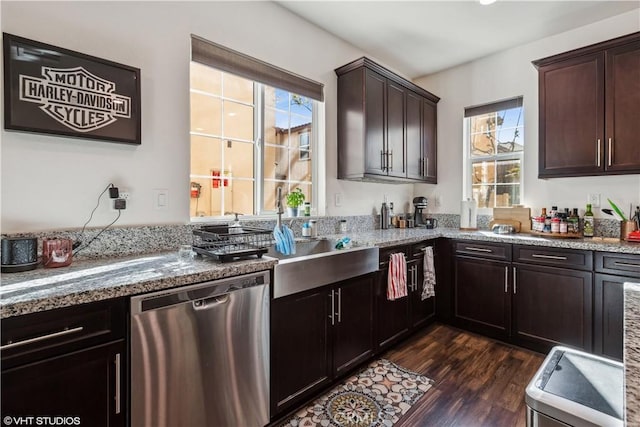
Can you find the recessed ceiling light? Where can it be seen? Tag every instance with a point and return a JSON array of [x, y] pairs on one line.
[[486, 2]]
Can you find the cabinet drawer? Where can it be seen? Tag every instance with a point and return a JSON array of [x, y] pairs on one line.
[[49, 333], [577, 260], [620, 264], [385, 253], [501, 251], [417, 248]]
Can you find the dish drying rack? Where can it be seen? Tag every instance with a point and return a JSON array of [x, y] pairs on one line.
[[227, 243]]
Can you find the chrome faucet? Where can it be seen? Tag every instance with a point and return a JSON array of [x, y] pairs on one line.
[[279, 210]]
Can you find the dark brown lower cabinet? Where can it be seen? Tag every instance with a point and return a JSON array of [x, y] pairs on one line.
[[552, 306], [392, 317], [300, 348], [421, 312], [482, 298], [79, 388], [608, 334], [318, 336], [66, 366]]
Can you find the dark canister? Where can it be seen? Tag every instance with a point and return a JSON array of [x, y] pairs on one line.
[[19, 254]]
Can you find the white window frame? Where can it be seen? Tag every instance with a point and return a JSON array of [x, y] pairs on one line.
[[316, 136], [468, 161]]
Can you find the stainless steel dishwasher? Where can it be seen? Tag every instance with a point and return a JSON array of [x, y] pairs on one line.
[[200, 354]]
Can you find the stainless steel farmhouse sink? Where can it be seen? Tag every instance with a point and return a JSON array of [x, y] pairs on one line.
[[317, 263]]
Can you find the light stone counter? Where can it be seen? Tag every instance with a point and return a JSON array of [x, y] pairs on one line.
[[95, 280], [632, 352]]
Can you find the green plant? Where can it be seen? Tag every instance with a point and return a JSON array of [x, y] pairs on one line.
[[295, 198]]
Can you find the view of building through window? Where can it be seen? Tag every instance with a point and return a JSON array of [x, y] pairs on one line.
[[247, 139], [495, 141]]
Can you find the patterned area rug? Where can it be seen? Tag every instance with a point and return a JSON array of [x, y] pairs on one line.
[[377, 396]]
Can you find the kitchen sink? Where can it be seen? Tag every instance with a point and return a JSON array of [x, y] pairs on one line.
[[317, 263]]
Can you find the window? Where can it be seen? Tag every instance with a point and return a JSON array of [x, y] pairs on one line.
[[247, 137], [494, 143]]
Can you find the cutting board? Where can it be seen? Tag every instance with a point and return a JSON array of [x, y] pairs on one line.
[[523, 215]]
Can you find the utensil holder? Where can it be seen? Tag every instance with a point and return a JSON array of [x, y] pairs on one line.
[[626, 227]]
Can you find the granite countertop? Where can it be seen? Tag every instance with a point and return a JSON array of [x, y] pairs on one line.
[[94, 280], [632, 352]]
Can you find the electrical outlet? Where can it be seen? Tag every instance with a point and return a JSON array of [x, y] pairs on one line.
[[124, 195], [436, 200], [594, 200], [338, 199]]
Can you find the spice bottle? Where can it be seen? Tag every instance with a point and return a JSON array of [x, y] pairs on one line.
[[307, 209], [589, 228], [574, 222]]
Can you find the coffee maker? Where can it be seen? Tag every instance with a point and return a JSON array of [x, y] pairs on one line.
[[420, 205]]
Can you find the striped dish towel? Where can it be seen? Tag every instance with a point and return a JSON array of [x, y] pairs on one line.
[[397, 278], [429, 283]]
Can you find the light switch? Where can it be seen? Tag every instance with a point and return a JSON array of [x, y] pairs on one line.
[[161, 199]]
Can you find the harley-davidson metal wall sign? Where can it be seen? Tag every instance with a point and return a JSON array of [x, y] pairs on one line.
[[53, 90]]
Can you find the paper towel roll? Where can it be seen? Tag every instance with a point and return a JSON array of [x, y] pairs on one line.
[[468, 215]]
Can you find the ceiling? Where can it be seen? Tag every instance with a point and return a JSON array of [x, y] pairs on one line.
[[422, 37]]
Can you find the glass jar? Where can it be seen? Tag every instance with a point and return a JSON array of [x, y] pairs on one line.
[[343, 226], [306, 210]]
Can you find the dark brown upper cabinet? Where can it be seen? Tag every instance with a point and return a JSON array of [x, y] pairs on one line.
[[589, 104], [386, 126]]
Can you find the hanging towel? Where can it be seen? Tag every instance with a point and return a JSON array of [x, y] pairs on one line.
[[397, 278], [289, 239], [278, 236], [429, 283]]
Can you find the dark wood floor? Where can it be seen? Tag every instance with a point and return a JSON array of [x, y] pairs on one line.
[[478, 381]]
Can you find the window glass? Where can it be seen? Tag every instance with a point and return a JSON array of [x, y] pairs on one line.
[[233, 163], [495, 148]]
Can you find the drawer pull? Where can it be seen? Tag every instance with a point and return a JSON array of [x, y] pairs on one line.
[[506, 279], [41, 338], [478, 249], [561, 258], [118, 385], [626, 264]]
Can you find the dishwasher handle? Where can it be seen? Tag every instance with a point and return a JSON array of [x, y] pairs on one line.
[[206, 303], [205, 294]]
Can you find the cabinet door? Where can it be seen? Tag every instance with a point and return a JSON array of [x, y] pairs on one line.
[[299, 347], [353, 323], [414, 136], [429, 142], [572, 117], [552, 306], [622, 108], [608, 315], [375, 131], [395, 130], [88, 385], [482, 299], [421, 310], [392, 319]]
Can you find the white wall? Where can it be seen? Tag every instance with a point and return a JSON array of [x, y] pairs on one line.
[[508, 74], [53, 182]]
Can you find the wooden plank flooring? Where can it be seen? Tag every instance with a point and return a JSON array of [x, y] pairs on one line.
[[478, 381]]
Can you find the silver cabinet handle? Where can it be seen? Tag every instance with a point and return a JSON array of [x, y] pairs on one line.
[[626, 264], [41, 338], [333, 309], [598, 153], [478, 249], [390, 162], [118, 385], [514, 281], [610, 151], [414, 278], [382, 160], [506, 278], [562, 258], [339, 305], [424, 167], [426, 171]]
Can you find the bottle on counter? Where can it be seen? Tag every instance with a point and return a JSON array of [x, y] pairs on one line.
[[588, 228], [555, 224], [574, 222], [393, 220], [306, 211], [384, 216]]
